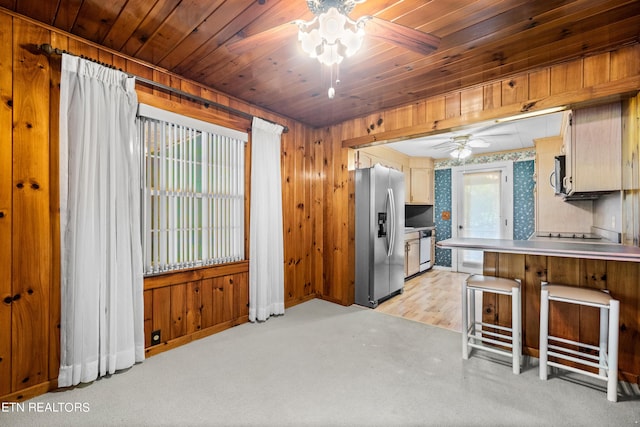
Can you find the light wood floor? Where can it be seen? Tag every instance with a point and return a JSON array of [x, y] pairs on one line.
[[433, 297]]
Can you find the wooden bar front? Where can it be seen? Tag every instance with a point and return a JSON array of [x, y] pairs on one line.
[[621, 278]]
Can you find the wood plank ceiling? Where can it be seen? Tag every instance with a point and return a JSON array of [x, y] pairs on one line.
[[480, 40]]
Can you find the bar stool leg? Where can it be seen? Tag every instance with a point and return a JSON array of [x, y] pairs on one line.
[[544, 332], [612, 353], [604, 330], [472, 311], [515, 328], [465, 322]]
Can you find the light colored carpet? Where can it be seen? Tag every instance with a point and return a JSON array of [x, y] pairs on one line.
[[322, 364]]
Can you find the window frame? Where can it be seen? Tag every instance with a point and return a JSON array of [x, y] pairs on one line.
[[202, 130]]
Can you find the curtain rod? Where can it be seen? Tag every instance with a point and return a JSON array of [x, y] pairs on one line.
[[50, 50]]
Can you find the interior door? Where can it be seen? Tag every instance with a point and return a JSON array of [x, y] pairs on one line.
[[484, 203]]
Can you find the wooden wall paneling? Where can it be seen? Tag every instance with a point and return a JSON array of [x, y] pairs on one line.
[[206, 303], [318, 194], [215, 97], [309, 218], [564, 317], [400, 117], [623, 285], [55, 62], [162, 312], [291, 230], [419, 113], [513, 266], [190, 275], [140, 70], [193, 89], [31, 231], [344, 191], [193, 315], [436, 109], [535, 272], [490, 264], [217, 301], [452, 105], [596, 69], [165, 79], [148, 317], [330, 167], [228, 289], [593, 274], [566, 77], [178, 310], [80, 48], [472, 100], [6, 187], [302, 205], [539, 84], [625, 62], [515, 90], [350, 280], [492, 96], [241, 297]]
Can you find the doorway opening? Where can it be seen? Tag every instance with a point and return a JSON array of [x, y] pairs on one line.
[[482, 207]]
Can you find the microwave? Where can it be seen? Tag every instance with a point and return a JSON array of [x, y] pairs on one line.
[[557, 176]]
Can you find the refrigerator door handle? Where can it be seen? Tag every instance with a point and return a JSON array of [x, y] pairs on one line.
[[392, 226]]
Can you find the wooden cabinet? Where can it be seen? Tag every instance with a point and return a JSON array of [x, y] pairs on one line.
[[370, 156], [552, 214], [421, 181], [593, 149], [631, 171], [412, 254]]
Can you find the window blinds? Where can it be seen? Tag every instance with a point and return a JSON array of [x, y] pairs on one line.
[[193, 193]]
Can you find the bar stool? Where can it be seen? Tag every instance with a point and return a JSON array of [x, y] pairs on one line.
[[488, 340], [607, 359]]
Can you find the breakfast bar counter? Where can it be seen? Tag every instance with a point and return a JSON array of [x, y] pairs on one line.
[[603, 251], [613, 267]]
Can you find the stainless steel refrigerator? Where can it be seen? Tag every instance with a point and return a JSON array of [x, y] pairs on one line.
[[379, 245]]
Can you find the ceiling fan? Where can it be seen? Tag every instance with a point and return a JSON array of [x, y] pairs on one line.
[[332, 35], [461, 146]]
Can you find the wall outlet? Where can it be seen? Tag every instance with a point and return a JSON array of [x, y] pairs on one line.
[[613, 222], [155, 337]]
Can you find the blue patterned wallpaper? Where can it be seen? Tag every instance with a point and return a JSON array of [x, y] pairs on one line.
[[523, 200], [442, 204], [523, 204]]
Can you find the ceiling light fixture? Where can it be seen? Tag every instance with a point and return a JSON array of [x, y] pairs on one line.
[[331, 35], [532, 114], [460, 152]]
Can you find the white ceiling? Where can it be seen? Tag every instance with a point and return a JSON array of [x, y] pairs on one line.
[[504, 136]]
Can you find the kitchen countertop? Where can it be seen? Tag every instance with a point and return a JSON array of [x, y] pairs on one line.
[[610, 252]]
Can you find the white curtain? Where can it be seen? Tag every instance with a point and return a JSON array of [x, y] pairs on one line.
[[102, 328], [266, 247]]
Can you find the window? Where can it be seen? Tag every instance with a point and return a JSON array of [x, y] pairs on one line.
[[193, 204]]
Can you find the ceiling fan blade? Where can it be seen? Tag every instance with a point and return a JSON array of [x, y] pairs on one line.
[[447, 145], [271, 36], [402, 36], [478, 143]]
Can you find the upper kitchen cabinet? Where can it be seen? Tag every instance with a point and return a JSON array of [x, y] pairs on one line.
[[385, 156], [421, 181], [592, 146], [552, 213]]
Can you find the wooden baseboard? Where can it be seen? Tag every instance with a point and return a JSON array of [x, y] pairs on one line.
[[31, 392], [331, 299], [292, 303], [185, 339]]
